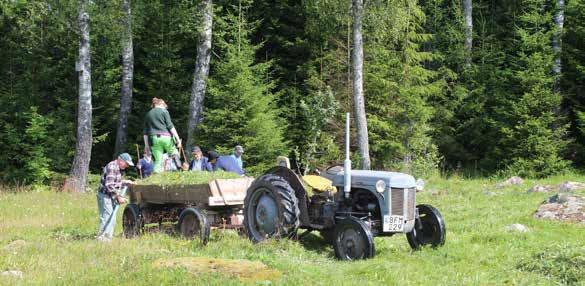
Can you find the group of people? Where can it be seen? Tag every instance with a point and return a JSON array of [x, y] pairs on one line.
[[161, 153], [162, 144]]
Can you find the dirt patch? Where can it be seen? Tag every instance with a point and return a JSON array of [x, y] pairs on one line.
[[246, 271]]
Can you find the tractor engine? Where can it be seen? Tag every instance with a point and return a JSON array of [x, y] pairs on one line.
[[322, 209]]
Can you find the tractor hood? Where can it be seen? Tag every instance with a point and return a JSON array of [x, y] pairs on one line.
[[369, 178]]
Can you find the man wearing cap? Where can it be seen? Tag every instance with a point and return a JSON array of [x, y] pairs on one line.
[[238, 152], [160, 135], [109, 195], [225, 163], [200, 162]]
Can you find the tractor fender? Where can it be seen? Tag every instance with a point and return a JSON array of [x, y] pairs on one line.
[[297, 185]]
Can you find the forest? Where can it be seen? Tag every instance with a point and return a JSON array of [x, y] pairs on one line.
[[478, 87]]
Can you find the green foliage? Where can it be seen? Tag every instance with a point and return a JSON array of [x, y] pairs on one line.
[[185, 178], [280, 80], [239, 107]]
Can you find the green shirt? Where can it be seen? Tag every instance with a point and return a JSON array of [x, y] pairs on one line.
[[157, 121]]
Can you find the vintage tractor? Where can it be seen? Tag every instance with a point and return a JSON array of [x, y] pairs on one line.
[[348, 207]]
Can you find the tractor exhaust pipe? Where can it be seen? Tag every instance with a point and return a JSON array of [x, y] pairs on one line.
[[347, 162]]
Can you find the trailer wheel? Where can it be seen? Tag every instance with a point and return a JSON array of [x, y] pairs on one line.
[[132, 221], [353, 240], [271, 209], [193, 223], [429, 229]]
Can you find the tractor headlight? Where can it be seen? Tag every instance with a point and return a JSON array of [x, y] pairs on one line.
[[380, 186]]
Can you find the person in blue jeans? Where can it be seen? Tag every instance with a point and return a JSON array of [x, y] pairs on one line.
[[111, 194]]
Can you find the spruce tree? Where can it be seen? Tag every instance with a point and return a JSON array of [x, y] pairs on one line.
[[239, 109]]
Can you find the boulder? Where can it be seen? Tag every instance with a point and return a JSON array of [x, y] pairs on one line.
[[563, 207], [12, 273], [571, 186], [516, 227], [514, 180], [541, 189]]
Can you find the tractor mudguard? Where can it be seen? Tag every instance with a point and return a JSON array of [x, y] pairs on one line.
[[300, 192]]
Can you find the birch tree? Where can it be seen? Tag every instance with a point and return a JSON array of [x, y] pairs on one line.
[[468, 11], [559, 20], [127, 78], [201, 70], [357, 56], [78, 176]]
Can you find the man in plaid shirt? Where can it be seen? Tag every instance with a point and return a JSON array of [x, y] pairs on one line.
[[109, 195]]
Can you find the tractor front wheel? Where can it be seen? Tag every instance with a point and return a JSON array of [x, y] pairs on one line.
[[353, 240], [429, 228], [192, 223]]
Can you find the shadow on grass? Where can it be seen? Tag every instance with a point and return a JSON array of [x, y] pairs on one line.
[[316, 243]]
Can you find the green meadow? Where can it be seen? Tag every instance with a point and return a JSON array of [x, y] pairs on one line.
[[55, 245]]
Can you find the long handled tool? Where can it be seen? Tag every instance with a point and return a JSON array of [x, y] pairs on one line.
[[185, 164], [138, 158]]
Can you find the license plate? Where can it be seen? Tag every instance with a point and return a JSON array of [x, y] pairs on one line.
[[393, 223]]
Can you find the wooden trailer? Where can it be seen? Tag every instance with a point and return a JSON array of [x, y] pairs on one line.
[[194, 208]]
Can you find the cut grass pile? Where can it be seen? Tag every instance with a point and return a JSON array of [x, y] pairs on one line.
[[56, 246], [185, 178]]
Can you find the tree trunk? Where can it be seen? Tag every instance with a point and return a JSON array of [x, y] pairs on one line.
[[201, 70], [78, 176], [468, 11], [358, 89], [557, 38], [127, 79]]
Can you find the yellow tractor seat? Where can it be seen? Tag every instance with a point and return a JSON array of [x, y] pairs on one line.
[[319, 184]]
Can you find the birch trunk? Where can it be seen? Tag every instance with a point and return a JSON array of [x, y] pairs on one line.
[[201, 71], [78, 176], [557, 38], [468, 11], [358, 89], [127, 79]]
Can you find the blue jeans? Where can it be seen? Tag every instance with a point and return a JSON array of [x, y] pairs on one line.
[[107, 207]]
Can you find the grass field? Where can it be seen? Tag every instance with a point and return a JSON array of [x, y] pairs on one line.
[[59, 246]]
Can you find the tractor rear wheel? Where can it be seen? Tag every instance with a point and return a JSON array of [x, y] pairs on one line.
[[353, 240], [132, 223], [192, 223], [429, 228], [271, 209]]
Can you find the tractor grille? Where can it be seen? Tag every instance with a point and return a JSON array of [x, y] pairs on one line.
[[397, 201], [399, 204]]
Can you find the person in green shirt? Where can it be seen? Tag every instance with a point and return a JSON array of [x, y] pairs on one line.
[[160, 135]]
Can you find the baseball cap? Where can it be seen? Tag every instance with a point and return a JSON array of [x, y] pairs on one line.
[[126, 157], [195, 149], [239, 148]]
